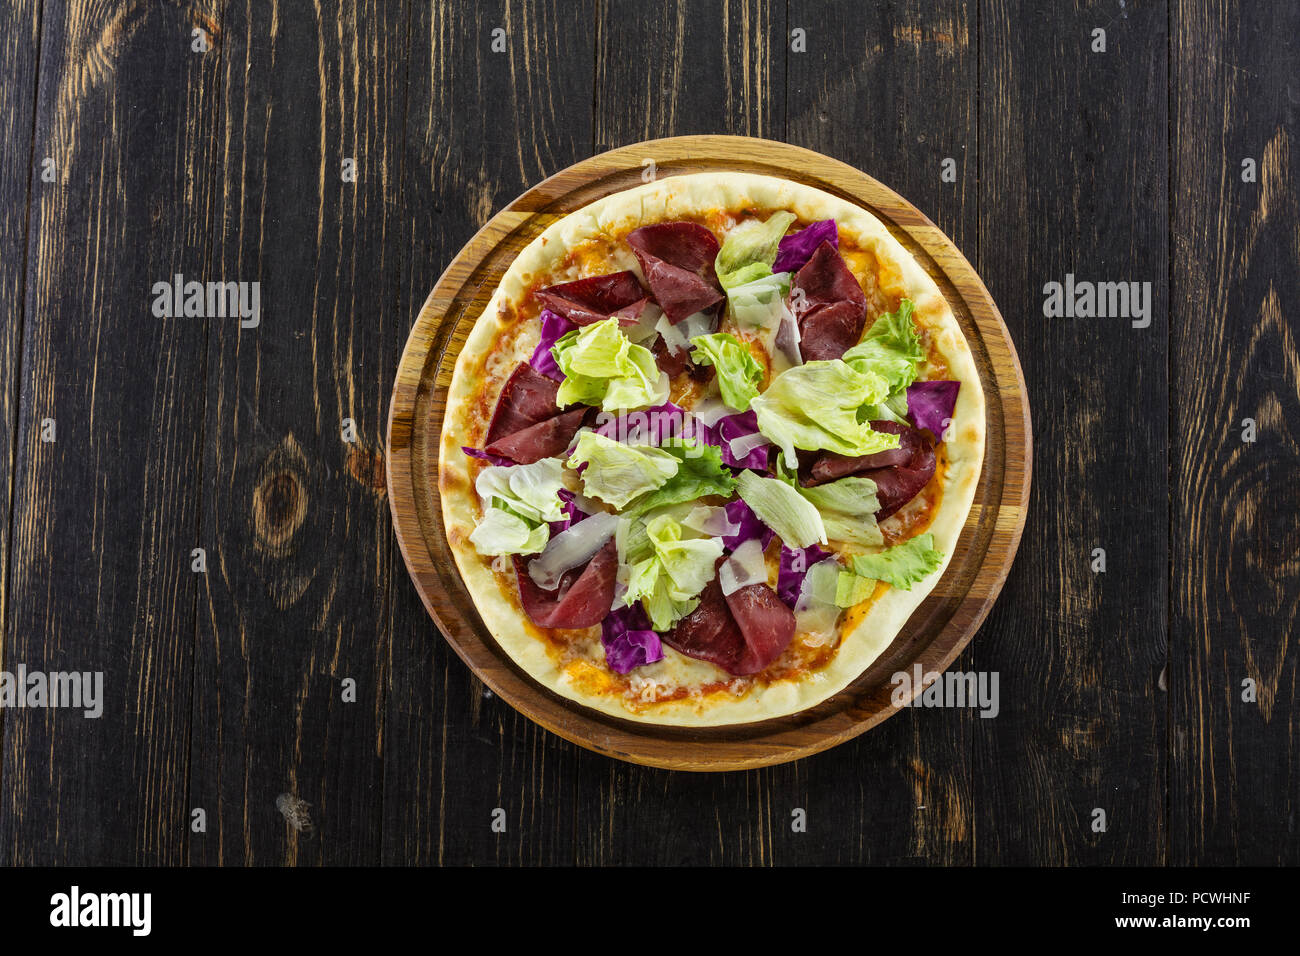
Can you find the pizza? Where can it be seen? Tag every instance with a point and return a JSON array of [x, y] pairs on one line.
[[711, 442]]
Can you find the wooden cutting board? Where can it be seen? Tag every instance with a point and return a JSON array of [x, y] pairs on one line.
[[932, 637]]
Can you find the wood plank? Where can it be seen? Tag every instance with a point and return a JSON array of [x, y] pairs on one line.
[[19, 50], [1234, 765], [1073, 179], [105, 516], [482, 127], [295, 516], [851, 96]]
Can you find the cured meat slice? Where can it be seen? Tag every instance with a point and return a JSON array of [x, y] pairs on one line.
[[527, 398], [831, 467], [742, 632], [546, 439], [596, 298], [835, 307], [676, 259], [709, 633], [896, 484], [583, 597], [766, 624]]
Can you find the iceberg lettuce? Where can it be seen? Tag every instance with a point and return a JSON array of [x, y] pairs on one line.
[[738, 371], [794, 519], [617, 473], [750, 249], [602, 367], [891, 349], [663, 570], [503, 532], [902, 565], [816, 405]]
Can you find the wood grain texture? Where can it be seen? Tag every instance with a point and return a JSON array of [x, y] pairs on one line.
[[1073, 179], [1235, 574], [481, 127], [105, 516], [295, 518], [936, 632], [19, 50]]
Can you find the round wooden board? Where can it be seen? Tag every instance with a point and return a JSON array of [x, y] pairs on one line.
[[932, 637]]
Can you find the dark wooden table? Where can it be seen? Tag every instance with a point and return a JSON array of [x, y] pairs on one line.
[[209, 139]]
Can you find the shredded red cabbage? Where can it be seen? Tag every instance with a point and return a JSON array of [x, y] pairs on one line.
[[795, 563], [797, 248], [749, 526], [739, 426], [649, 426], [481, 454], [554, 326], [572, 513], [931, 404], [629, 640]]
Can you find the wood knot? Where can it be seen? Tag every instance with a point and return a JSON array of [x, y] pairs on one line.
[[280, 499], [366, 466]]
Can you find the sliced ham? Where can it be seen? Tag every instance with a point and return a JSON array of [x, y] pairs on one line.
[[583, 597], [546, 439], [597, 298], [899, 474], [742, 632], [835, 307], [676, 259]]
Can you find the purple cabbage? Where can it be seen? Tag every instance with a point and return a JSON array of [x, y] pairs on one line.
[[739, 426], [554, 326], [750, 526], [572, 513], [662, 422], [628, 639], [795, 563], [797, 248], [481, 454], [931, 404]]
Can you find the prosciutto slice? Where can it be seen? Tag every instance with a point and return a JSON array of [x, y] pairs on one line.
[[527, 424], [835, 308], [583, 597], [676, 259], [742, 632], [898, 482], [597, 298]]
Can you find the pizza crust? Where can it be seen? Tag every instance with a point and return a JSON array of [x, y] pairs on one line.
[[680, 197]]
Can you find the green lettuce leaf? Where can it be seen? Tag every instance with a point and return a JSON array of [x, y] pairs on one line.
[[902, 565], [663, 570], [750, 249], [738, 371], [851, 589], [700, 472], [503, 532], [891, 349], [793, 517], [816, 405], [848, 508], [602, 367], [529, 491], [616, 473]]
